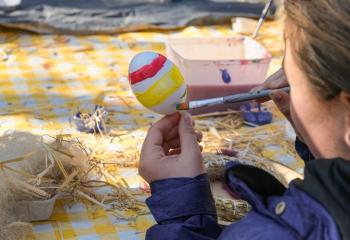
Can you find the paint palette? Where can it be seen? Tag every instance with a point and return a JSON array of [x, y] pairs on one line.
[[219, 66], [156, 82]]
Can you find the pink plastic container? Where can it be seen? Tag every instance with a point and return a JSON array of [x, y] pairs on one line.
[[214, 67]]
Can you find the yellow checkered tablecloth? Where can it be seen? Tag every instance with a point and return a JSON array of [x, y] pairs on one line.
[[46, 78], [82, 220]]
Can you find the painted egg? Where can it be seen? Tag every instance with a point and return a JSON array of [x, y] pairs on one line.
[[156, 82]]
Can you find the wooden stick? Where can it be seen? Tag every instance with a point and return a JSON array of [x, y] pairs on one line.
[[69, 179], [32, 189], [215, 114], [119, 213], [117, 182], [17, 159], [22, 173], [225, 125], [63, 152]]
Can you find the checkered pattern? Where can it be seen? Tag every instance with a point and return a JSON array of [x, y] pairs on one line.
[[84, 221], [45, 79]]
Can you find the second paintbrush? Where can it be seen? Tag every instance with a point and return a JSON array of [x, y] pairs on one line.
[[241, 97]]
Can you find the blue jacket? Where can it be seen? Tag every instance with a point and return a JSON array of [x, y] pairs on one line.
[[184, 207]]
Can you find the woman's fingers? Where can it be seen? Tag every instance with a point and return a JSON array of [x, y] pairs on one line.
[[277, 80], [262, 100], [175, 143], [282, 101], [173, 133], [155, 138], [274, 81]]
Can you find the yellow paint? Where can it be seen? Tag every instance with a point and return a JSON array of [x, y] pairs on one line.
[[162, 89]]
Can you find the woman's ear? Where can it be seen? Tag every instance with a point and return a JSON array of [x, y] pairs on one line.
[[345, 101]]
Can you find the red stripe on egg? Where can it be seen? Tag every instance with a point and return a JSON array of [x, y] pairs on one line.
[[148, 70]]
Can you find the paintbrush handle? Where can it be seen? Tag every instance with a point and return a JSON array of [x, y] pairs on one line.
[[262, 18], [241, 97], [233, 98]]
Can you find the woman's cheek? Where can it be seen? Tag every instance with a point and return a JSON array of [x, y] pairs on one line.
[[295, 118], [305, 127]]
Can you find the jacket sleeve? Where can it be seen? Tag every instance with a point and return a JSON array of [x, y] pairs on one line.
[[303, 150], [183, 209]]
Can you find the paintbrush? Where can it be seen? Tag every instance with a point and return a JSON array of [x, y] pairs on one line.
[[262, 18], [241, 97]]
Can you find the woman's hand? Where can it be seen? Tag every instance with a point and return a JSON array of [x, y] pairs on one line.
[[171, 149], [281, 98]]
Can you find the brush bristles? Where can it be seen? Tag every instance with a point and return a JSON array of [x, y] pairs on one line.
[[182, 106]]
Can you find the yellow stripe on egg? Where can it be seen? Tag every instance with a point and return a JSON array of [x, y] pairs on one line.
[[161, 89]]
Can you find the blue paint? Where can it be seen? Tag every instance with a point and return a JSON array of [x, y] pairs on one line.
[[225, 76], [259, 117]]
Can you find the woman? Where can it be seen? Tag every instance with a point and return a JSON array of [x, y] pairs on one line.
[[316, 62]]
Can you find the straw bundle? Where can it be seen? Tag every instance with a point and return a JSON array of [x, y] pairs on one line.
[[224, 131], [22, 155], [231, 210], [228, 209], [216, 163], [35, 169]]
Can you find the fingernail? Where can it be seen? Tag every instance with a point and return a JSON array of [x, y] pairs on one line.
[[187, 118]]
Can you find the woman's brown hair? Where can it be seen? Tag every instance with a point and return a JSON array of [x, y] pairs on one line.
[[321, 40]]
